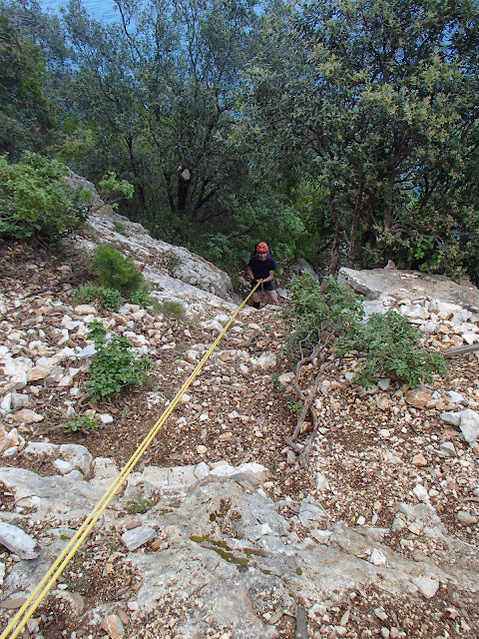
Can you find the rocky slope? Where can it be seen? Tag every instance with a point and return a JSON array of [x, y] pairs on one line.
[[220, 531]]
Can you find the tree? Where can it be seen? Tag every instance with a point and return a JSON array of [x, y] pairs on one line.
[[27, 117], [376, 100], [153, 96]]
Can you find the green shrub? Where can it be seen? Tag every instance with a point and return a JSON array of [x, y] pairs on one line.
[[141, 297], [389, 345], [35, 201], [112, 190], [114, 365], [139, 505], [116, 271], [119, 227], [173, 263], [316, 313], [83, 423], [171, 308], [108, 297]]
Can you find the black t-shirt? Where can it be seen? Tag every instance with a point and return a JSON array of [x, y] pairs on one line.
[[261, 269]]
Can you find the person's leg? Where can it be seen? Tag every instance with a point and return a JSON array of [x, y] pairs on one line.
[[273, 296], [256, 297]]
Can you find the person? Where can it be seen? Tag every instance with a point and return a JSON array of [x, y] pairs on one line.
[[261, 268]]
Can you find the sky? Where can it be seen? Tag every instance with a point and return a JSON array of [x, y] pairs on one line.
[[99, 9]]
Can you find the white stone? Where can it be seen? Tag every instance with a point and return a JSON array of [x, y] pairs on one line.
[[445, 308], [286, 378], [453, 419], [383, 384], [63, 467], [420, 492], [6, 404], [465, 518], [448, 449], [377, 557], [105, 418], [427, 586], [456, 398], [87, 352], [85, 309], [469, 425], [322, 482], [138, 536], [17, 541]]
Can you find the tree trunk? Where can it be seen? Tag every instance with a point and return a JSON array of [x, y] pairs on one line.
[[388, 216], [358, 201]]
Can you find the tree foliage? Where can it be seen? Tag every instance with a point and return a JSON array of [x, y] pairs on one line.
[[344, 131], [376, 100], [35, 201], [26, 115], [332, 315]]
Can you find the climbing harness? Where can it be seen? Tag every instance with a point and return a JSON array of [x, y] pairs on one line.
[[41, 590]]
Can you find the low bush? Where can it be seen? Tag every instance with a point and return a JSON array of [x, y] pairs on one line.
[[387, 344], [36, 203], [108, 297], [115, 365], [171, 308], [141, 297], [119, 227], [116, 271], [316, 313], [84, 423], [139, 505]]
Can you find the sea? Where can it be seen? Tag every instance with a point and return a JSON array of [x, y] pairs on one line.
[[104, 10]]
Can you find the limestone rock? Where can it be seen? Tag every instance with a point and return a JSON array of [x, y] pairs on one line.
[[427, 586], [138, 536], [17, 541], [113, 626], [469, 425]]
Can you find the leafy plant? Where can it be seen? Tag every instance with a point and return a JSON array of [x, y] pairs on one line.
[[141, 297], [115, 365], [35, 201], [169, 307], [112, 190], [83, 423], [139, 505], [119, 227], [116, 271], [173, 263], [108, 297], [316, 313], [389, 346]]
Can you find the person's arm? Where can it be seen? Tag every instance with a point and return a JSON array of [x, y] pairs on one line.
[[250, 273], [270, 277]]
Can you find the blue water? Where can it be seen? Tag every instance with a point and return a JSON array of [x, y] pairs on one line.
[[99, 9]]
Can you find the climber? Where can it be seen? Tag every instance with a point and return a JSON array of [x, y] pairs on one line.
[[261, 268]]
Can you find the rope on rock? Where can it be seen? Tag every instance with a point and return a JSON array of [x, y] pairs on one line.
[[41, 590]]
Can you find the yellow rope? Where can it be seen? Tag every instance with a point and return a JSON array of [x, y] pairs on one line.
[[41, 590]]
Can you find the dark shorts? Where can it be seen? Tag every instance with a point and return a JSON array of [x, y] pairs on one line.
[[266, 286]]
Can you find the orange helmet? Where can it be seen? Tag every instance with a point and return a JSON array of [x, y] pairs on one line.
[[262, 247]]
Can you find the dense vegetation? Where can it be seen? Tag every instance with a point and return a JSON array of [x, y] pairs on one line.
[[344, 131]]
